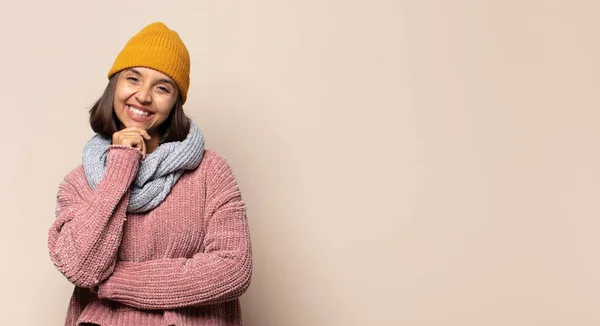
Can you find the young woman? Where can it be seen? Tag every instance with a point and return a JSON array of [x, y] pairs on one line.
[[151, 228]]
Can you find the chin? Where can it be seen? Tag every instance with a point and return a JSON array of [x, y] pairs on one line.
[[144, 126]]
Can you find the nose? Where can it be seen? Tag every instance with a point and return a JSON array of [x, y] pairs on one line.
[[144, 95]]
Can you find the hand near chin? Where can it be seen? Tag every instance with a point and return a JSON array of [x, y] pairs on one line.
[[133, 137]]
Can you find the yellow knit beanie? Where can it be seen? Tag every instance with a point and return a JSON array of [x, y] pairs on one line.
[[159, 48]]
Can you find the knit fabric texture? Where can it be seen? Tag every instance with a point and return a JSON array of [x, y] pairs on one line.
[[186, 262], [157, 173], [160, 48]]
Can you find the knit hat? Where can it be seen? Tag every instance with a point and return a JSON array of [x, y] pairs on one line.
[[159, 48]]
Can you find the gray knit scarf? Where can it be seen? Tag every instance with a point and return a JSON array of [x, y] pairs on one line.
[[157, 173]]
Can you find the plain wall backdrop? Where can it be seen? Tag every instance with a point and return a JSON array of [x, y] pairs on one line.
[[423, 162]]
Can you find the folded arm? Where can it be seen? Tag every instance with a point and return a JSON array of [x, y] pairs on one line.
[[221, 272], [85, 237]]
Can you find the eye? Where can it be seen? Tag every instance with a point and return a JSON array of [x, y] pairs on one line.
[[134, 79], [163, 89]]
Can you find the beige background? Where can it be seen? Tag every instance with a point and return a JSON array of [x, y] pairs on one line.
[[422, 162]]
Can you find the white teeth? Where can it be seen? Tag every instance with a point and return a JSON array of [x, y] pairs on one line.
[[137, 111]]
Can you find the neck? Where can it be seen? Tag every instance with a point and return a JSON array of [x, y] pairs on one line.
[[153, 143]]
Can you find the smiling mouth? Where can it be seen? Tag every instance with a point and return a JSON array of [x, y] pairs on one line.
[[138, 112]]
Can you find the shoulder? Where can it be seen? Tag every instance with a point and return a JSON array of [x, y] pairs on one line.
[[216, 171], [213, 162], [75, 183], [75, 176]]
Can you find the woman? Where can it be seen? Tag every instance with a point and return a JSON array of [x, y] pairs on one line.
[[151, 228]]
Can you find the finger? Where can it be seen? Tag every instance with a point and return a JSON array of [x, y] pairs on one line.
[[139, 131], [145, 134], [133, 132], [136, 141], [132, 141], [143, 148], [129, 142]]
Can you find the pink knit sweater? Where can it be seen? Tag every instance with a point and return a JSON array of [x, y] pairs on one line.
[[186, 262]]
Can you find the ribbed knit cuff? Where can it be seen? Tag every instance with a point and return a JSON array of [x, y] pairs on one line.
[[105, 289], [122, 163], [123, 151], [121, 168]]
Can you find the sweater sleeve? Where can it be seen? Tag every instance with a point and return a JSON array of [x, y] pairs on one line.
[[221, 272], [85, 237]]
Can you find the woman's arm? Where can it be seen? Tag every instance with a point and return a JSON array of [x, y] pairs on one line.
[[220, 273], [85, 237]]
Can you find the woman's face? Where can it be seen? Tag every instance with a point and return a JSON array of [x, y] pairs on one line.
[[144, 98]]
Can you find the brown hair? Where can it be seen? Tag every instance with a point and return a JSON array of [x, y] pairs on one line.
[[104, 121]]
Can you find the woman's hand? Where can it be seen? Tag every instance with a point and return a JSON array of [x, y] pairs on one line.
[[133, 137]]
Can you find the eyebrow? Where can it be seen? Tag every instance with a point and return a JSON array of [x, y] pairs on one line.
[[168, 81], [162, 80], [134, 71]]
